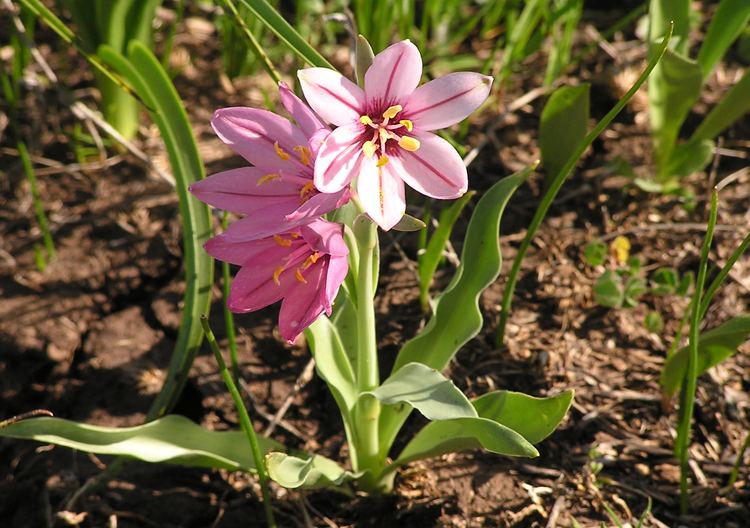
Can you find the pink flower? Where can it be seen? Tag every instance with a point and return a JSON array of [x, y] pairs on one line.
[[303, 266], [278, 192], [383, 137]]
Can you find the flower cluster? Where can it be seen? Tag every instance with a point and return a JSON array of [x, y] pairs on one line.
[[383, 140]]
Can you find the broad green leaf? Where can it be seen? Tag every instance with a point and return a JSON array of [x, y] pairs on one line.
[[727, 23], [427, 390], [674, 87], [456, 316], [331, 361], [653, 322], [173, 439], [153, 85], [664, 281], [634, 288], [314, 472], [273, 20], [595, 253], [608, 290], [462, 434], [408, 224], [563, 126], [364, 57], [714, 347], [429, 260], [734, 105], [533, 418], [689, 158]]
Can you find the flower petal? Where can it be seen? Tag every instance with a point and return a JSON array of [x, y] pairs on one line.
[[334, 97], [381, 193], [435, 170], [303, 303], [245, 190], [325, 237], [253, 288], [262, 223], [261, 137], [305, 117], [447, 100], [262, 252], [338, 267], [393, 75], [338, 158], [317, 206]]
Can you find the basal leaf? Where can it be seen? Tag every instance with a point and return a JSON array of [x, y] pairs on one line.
[[726, 25], [462, 434], [688, 158], [734, 105], [331, 360], [313, 472], [533, 418], [426, 389], [173, 439], [714, 346], [563, 126]]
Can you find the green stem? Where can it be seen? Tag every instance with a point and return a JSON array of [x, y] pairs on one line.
[[367, 410], [245, 422], [41, 217], [560, 178], [228, 317], [736, 467], [711, 290], [688, 403]]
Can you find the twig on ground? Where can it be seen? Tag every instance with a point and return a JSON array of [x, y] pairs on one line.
[[303, 379]]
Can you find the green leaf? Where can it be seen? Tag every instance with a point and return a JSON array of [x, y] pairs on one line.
[[727, 23], [714, 347], [331, 361], [734, 105], [595, 253], [462, 434], [686, 282], [426, 389], [429, 260], [634, 288], [153, 85], [533, 418], [313, 472], [364, 57], [664, 281], [654, 322], [689, 158], [608, 290], [674, 87], [172, 439], [273, 20], [456, 315], [408, 224], [563, 126]]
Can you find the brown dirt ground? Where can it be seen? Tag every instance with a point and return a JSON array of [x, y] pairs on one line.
[[89, 338]]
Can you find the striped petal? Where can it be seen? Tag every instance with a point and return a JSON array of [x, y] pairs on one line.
[[333, 97], [447, 100]]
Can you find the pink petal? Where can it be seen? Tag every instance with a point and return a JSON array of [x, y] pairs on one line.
[[239, 253], [339, 158], [393, 75], [317, 139], [262, 223], [242, 190], [302, 303], [338, 267], [381, 193], [447, 100], [253, 288], [317, 206], [252, 133], [326, 237], [435, 170], [334, 97], [306, 118]]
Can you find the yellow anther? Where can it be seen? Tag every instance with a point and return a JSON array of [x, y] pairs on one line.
[[365, 120], [268, 177], [276, 274], [280, 151], [391, 112], [383, 160], [408, 124], [283, 242], [409, 143], [298, 276], [314, 257], [306, 190], [369, 148], [304, 154]]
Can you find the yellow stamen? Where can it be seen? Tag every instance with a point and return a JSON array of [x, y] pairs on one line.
[[304, 154], [306, 190], [276, 274], [309, 261], [409, 143], [408, 124], [283, 242], [268, 177], [382, 160], [391, 112], [294, 234], [280, 151], [369, 148], [365, 120], [298, 276]]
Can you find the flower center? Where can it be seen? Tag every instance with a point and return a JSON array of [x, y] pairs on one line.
[[385, 130], [301, 258]]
